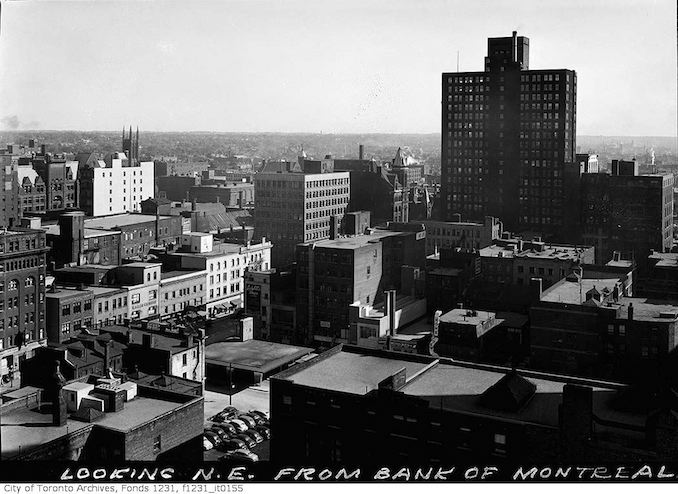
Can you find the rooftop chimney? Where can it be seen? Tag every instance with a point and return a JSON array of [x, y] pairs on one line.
[[55, 395], [630, 314], [360, 152], [514, 47], [148, 340], [390, 307]]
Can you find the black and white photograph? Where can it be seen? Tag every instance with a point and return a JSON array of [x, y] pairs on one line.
[[337, 241]]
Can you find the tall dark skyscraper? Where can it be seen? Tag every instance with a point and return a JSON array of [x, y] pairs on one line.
[[508, 142]]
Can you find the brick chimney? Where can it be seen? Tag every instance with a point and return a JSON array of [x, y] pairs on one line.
[[55, 395], [107, 354], [148, 340]]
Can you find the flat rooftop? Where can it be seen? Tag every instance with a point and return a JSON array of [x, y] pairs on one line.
[[141, 264], [644, 309], [67, 292], [459, 388], [120, 220], [165, 275], [138, 411], [550, 251], [353, 373], [219, 249], [172, 342], [24, 429], [665, 259], [253, 355], [87, 268], [452, 385], [466, 316], [103, 290], [568, 292], [357, 241]]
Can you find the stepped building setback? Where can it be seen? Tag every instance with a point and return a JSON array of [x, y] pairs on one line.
[[508, 141]]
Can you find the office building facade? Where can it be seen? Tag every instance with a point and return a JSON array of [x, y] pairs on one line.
[[22, 297], [508, 141], [294, 207]]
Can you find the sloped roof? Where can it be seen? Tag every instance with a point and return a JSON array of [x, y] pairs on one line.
[[87, 414], [398, 160], [27, 173], [510, 393]]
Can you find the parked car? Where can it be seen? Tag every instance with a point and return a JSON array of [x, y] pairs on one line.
[[232, 444], [246, 439], [206, 444], [240, 425], [226, 427], [223, 435], [227, 413], [255, 435], [259, 413], [264, 431], [212, 437], [248, 420], [257, 418], [240, 455]]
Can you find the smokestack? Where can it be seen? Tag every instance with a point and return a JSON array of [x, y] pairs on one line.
[[360, 152], [391, 310], [107, 354], [514, 47]]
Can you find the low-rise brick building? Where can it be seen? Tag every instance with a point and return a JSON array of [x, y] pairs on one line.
[[142, 423], [372, 407]]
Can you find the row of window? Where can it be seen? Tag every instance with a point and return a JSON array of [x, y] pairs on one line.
[[18, 245], [14, 284], [10, 341]]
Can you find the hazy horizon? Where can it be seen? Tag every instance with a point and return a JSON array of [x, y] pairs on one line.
[[300, 66]]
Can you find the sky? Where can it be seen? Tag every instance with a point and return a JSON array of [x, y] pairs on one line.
[[339, 66]]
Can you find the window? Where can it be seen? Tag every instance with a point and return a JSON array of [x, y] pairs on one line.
[[184, 359], [152, 295], [610, 329], [136, 298], [157, 445], [622, 330], [500, 443], [66, 328], [464, 438]]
